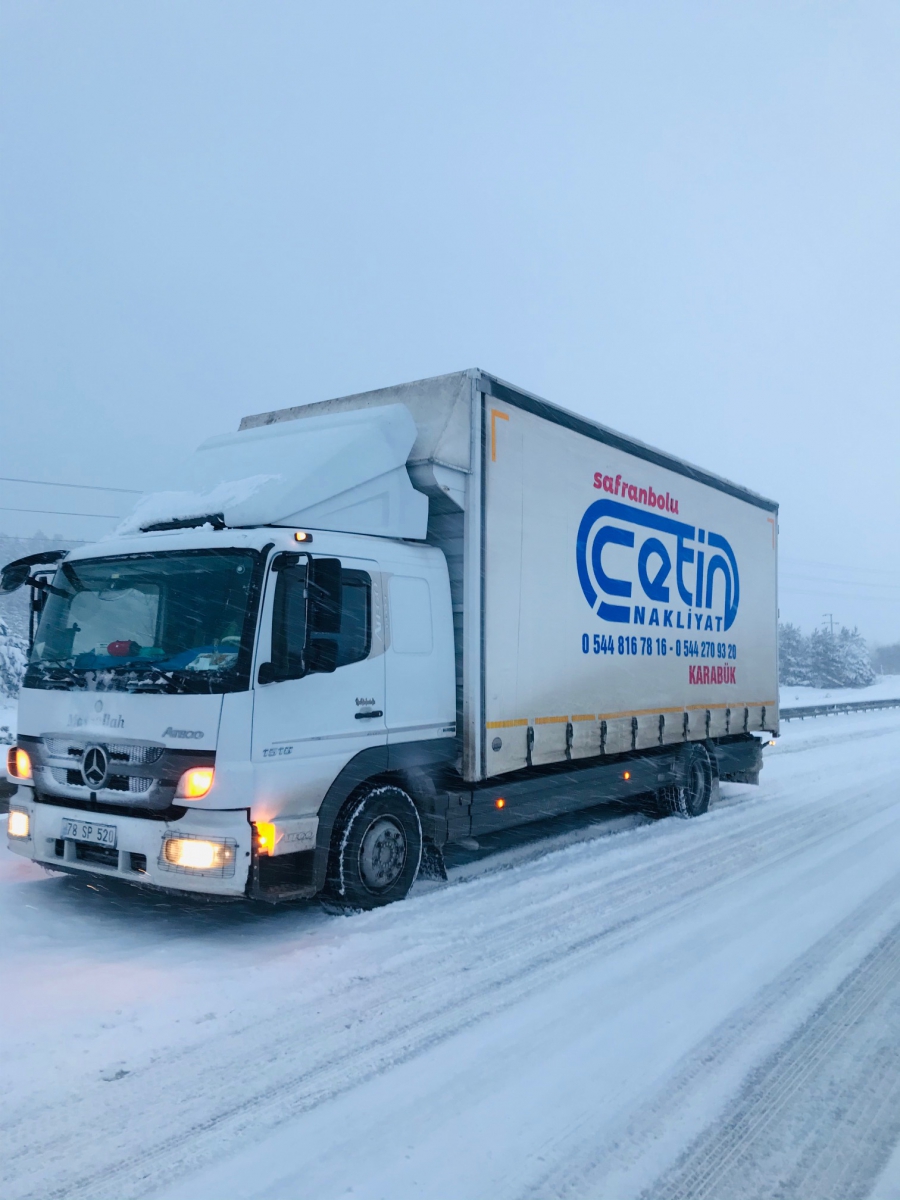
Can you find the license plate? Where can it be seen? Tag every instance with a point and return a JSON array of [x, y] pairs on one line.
[[87, 831]]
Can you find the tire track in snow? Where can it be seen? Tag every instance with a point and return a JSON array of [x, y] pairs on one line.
[[819, 1119], [743, 1046], [508, 956], [517, 930]]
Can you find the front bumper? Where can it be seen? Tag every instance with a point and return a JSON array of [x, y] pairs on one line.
[[138, 855]]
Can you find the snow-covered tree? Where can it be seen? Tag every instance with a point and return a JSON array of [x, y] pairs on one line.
[[793, 656], [856, 662], [823, 659], [825, 663], [13, 652]]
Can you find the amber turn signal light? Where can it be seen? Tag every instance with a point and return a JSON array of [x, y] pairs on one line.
[[265, 837]]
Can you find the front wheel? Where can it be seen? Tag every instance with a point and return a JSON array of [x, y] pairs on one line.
[[376, 849]]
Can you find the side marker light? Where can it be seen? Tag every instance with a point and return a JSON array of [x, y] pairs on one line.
[[626, 774], [265, 837], [500, 802]]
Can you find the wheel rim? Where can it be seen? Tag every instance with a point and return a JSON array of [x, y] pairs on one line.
[[382, 854]]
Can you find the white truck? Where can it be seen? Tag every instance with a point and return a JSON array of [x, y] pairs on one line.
[[380, 624]]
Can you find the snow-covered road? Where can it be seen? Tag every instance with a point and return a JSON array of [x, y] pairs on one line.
[[681, 1009]]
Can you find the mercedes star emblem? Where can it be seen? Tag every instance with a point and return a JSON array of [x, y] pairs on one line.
[[94, 765]]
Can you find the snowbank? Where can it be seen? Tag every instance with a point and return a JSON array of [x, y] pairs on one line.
[[7, 721], [885, 687]]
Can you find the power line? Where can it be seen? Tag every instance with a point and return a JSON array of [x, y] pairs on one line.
[[787, 559], [820, 592], [89, 487], [828, 581], [52, 512]]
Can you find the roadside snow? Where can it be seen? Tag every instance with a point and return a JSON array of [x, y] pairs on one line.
[[8, 714], [885, 687], [572, 1025]]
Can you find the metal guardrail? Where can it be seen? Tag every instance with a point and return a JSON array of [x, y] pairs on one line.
[[828, 710]]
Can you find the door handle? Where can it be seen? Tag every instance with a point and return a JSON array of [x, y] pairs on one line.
[[375, 712]]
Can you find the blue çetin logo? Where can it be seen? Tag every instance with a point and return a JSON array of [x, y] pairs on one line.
[[699, 559]]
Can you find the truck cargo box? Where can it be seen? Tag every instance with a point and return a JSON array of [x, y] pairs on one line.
[[608, 597]]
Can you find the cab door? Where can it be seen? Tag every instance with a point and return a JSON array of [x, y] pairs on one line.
[[310, 718]]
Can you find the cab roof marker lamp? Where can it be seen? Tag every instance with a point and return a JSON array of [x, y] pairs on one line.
[[195, 783], [18, 763], [303, 536]]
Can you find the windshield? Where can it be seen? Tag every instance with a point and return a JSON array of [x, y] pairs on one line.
[[179, 612]]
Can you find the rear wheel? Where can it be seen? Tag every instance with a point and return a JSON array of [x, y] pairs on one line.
[[376, 850], [691, 795]]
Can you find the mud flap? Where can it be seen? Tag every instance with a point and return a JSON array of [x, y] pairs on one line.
[[432, 864]]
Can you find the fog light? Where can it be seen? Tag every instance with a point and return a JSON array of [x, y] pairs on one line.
[[18, 823], [18, 764], [197, 854], [195, 783], [265, 837]]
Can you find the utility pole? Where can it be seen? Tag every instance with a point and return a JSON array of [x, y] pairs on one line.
[[830, 617]]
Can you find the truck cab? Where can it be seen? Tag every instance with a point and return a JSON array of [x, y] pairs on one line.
[[194, 697]]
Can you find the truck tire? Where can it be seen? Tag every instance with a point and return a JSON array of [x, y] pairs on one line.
[[691, 795], [376, 850]]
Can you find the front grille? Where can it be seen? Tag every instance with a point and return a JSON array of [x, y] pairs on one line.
[[142, 775], [120, 752], [115, 783]]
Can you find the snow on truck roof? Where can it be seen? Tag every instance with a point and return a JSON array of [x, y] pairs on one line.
[[440, 407], [341, 471], [364, 464]]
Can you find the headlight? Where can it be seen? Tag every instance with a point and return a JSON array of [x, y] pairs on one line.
[[198, 854], [18, 764], [195, 783], [18, 823]]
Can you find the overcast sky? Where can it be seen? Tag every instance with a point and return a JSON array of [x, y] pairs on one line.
[[681, 219]]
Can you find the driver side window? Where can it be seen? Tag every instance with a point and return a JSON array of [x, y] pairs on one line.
[[354, 638]]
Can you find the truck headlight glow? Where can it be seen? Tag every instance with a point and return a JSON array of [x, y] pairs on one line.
[[198, 854], [195, 783], [18, 823], [18, 763]]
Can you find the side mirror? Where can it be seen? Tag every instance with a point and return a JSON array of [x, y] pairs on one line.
[[321, 656], [268, 673], [15, 574], [323, 614]]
